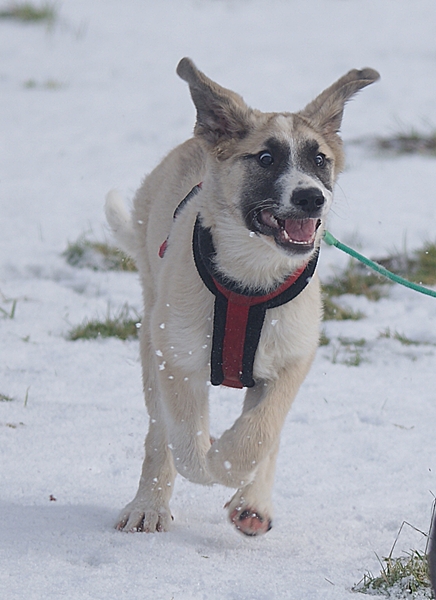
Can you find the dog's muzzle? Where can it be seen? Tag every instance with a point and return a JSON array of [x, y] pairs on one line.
[[294, 230], [291, 234]]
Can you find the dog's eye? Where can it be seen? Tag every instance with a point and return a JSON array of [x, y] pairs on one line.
[[265, 159], [320, 159]]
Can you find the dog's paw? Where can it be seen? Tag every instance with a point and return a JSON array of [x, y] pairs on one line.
[[249, 512], [250, 522], [137, 518]]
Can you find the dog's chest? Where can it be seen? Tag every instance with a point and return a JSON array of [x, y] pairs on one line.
[[289, 332]]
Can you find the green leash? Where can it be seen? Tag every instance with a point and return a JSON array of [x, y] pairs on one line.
[[332, 241]]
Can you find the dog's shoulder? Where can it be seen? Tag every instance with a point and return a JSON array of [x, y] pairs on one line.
[[179, 171]]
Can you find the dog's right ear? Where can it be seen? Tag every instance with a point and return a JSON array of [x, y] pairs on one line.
[[221, 114]]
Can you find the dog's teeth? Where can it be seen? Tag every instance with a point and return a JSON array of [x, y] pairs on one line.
[[269, 219]]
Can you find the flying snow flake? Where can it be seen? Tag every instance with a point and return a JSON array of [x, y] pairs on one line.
[[162, 325], [227, 465], [159, 353]]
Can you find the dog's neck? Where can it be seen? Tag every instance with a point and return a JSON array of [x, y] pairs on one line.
[[239, 312], [251, 259], [205, 247]]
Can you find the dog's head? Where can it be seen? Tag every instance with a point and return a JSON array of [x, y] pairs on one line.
[[280, 168]]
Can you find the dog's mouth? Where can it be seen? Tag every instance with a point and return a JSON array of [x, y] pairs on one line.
[[295, 235]]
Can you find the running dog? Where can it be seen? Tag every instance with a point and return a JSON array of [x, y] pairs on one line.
[[225, 232]]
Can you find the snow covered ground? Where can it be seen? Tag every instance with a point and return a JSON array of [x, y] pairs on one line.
[[94, 103]]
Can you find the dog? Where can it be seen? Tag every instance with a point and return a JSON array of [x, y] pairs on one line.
[[225, 232]]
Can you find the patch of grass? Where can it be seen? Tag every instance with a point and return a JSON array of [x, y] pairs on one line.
[[358, 280], [5, 398], [424, 265], [28, 12], [407, 576], [359, 343], [334, 312], [348, 352], [324, 340], [8, 314], [49, 84], [411, 142], [121, 325], [395, 335], [418, 266], [98, 256], [26, 396]]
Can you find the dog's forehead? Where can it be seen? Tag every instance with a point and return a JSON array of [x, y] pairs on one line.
[[290, 132]]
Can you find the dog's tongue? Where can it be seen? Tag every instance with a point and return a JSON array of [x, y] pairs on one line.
[[300, 230]]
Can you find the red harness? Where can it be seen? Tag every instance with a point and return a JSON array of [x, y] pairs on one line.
[[238, 308]]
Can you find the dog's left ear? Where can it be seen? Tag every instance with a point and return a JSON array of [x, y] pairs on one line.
[[325, 112], [221, 113]]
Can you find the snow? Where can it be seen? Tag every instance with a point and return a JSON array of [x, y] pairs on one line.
[[358, 449]]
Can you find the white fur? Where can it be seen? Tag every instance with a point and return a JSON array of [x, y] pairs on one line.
[[120, 221]]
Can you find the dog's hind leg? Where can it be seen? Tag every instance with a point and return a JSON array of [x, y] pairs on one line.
[[149, 511]]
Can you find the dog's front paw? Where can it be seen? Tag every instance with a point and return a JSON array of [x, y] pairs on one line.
[[250, 516], [250, 522], [136, 517]]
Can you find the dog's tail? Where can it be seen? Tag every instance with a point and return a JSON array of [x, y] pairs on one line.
[[120, 222]]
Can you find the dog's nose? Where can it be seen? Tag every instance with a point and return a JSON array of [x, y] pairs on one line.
[[310, 200]]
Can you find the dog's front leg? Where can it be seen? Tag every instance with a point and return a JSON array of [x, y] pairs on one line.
[[185, 400], [251, 509], [233, 459]]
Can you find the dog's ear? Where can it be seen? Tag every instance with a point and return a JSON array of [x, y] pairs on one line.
[[325, 112], [221, 114]]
